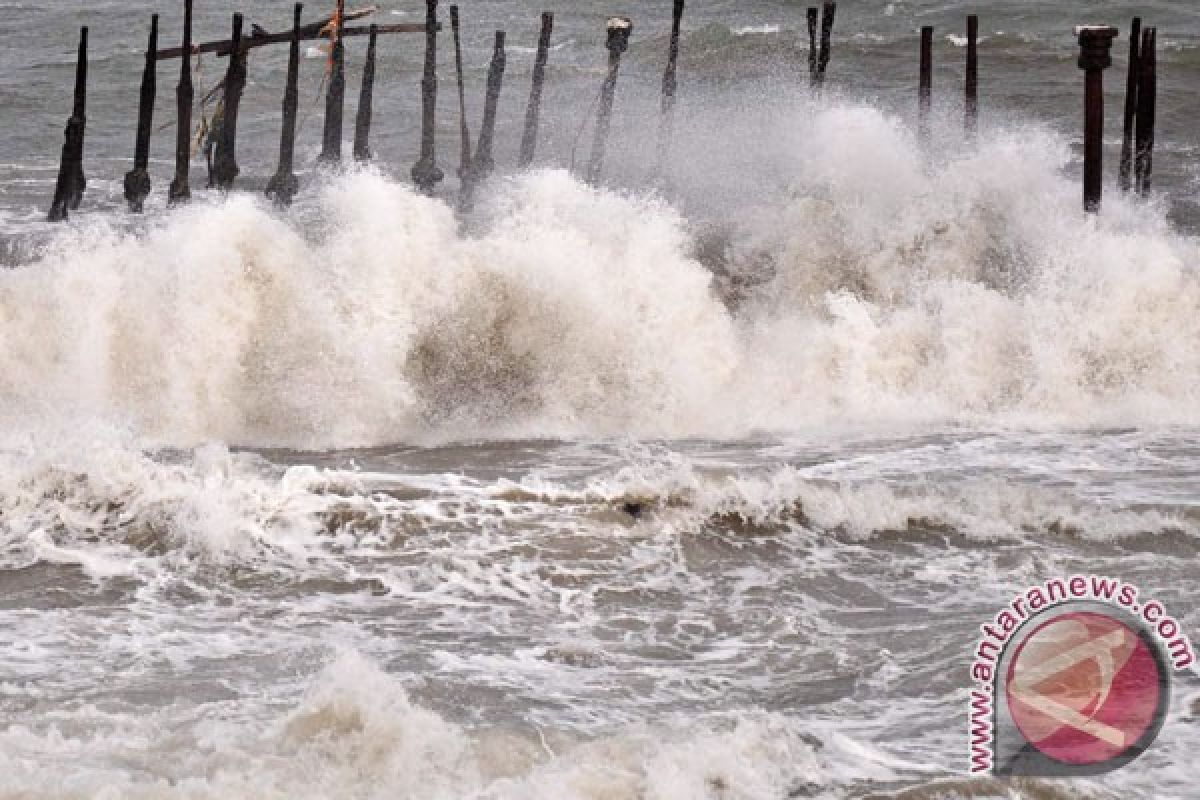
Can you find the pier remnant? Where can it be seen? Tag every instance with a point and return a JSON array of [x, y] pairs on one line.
[[464, 131], [225, 168], [534, 109], [619, 30], [1147, 107], [362, 121], [813, 21], [828, 11], [670, 85], [971, 103], [484, 163], [68, 190], [1095, 45], [180, 189], [335, 98], [1132, 78], [925, 88], [425, 173], [283, 185], [137, 180]]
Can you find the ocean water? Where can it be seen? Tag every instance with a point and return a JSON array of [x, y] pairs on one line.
[[695, 484]]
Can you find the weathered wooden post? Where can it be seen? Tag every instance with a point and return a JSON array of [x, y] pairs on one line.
[[464, 132], [1147, 108], [425, 173], [813, 21], [283, 184], [362, 122], [925, 89], [1132, 78], [971, 106], [335, 98], [483, 163], [1095, 44], [828, 10], [534, 109], [619, 30], [137, 180], [180, 190], [669, 86], [68, 190], [225, 167]]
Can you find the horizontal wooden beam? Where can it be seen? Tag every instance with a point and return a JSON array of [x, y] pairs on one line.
[[307, 33]]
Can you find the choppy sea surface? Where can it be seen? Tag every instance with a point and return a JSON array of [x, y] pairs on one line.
[[695, 484]]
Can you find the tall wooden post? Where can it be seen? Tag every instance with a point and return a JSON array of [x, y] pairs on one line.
[[425, 173], [670, 85], [533, 111], [283, 185], [225, 168], [828, 11], [335, 98], [137, 180], [1132, 78], [1095, 44], [1147, 108], [813, 22], [68, 191], [362, 122], [972, 83], [619, 30], [925, 87], [484, 163], [464, 131], [180, 189]]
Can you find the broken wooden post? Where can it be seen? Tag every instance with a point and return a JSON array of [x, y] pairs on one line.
[[225, 169], [813, 21], [283, 184], [362, 122], [670, 84], [534, 109], [425, 173], [137, 180], [180, 190], [828, 10], [483, 163], [335, 98], [971, 107], [464, 132], [925, 88], [1132, 78], [1095, 44], [1147, 108], [619, 29], [68, 191]]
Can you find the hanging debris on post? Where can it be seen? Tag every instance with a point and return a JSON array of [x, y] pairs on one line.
[[335, 98], [283, 185], [533, 110], [619, 30], [362, 122], [180, 189], [225, 168], [425, 173], [68, 191], [137, 180]]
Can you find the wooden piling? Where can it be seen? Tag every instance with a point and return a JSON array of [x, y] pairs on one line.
[[1132, 78], [225, 168], [971, 103], [68, 190], [813, 53], [619, 30], [1146, 108], [483, 164], [425, 173], [670, 85], [828, 11], [464, 131], [335, 97], [137, 180], [180, 189], [925, 87], [534, 109], [362, 122], [283, 185], [1095, 44]]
